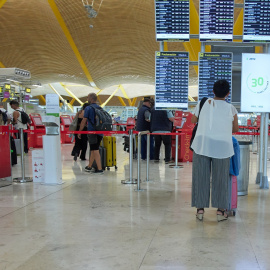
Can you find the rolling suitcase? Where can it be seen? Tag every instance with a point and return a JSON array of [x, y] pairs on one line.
[[103, 157], [232, 191], [110, 144]]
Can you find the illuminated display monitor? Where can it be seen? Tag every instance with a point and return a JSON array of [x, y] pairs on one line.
[[256, 21], [1, 89], [216, 20], [213, 67], [37, 121], [172, 20], [28, 90], [7, 87], [171, 80], [66, 121]]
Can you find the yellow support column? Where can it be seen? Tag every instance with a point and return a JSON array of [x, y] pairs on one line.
[[194, 45], [99, 100], [125, 94], [71, 94], [133, 102], [122, 101], [72, 101], [71, 42], [63, 100], [2, 2], [42, 100], [109, 98]]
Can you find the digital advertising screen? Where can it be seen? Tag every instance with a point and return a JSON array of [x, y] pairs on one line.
[[256, 21], [171, 80], [255, 87], [213, 67], [216, 20], [172, 20]]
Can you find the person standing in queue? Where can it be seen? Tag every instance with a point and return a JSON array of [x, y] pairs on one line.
[[143, 124], [161, 122], [80, 146], [93, 139], [213, 148], [17, 122]]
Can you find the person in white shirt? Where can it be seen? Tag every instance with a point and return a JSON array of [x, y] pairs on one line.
[[17, 122], [9, 117], [213, 148]]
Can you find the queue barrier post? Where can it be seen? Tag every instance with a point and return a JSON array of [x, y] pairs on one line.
[[176, 166], [139, 159], [22, 179], [131, 180], [147, 157], [260, 172]]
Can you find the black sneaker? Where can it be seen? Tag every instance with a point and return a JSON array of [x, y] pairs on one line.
[[88, 169]]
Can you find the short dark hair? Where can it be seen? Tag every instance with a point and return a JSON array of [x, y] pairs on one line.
[[14, 102], [93, 96], [221, 88], [85, 105]]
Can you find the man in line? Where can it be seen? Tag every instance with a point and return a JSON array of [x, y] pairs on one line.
[[161, 122], [4, 111], [143, 124], [17, 121], [93, 139]]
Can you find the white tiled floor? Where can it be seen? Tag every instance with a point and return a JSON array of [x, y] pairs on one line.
[[98, 223]]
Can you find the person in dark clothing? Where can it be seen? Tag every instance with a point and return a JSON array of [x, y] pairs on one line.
[[161, 122], [143, 124], [80, 146]]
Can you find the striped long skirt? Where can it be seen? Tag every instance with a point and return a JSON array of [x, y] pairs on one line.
[[202, 169]]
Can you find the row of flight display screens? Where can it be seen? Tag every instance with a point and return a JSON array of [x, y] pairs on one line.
[[216, 20], [172, 76]]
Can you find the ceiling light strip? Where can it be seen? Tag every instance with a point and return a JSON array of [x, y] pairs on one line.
[[71, 42]]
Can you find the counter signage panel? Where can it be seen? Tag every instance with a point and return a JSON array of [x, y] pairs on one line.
[[257, 21], [255, 83], [172, 20], [216, 20], [172, 70], [213, 67]]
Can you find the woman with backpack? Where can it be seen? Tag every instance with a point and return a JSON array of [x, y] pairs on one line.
[[213, 148], [20, 121]]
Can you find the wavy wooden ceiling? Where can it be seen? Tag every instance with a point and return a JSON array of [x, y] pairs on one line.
[[118, 49]]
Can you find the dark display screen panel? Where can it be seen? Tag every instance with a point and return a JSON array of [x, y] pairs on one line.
[[216, 20], [172, 20], [213, 67], [172, 73], [256, 21]]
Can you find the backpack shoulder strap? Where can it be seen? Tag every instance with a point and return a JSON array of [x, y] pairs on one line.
[[201, 105]]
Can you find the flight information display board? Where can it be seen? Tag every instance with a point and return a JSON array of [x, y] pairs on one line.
[[172, 20], [172, 74], [213, 67], [216, 20], [256, 21], [255, 83]]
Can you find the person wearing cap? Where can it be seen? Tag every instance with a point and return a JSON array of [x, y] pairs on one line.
[[143, 124]]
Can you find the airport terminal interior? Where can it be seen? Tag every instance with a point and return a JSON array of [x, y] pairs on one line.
[[137, 214]]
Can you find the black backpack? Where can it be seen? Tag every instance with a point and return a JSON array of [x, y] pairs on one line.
[[3, 117], [103, 120], [25, 117]]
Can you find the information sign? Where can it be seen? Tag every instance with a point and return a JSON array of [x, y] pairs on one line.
[[172, 20], [216, 20], [255, 85], [213, 67], [172, 70], [256, 21], [52, 105]]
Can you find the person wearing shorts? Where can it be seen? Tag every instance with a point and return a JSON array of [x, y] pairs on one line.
[[93, 139]]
